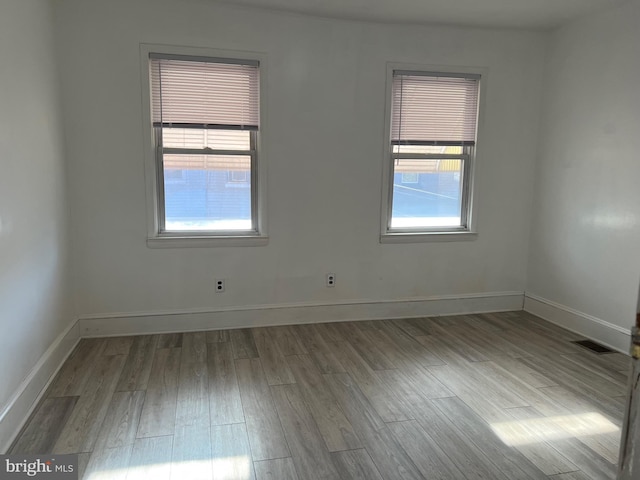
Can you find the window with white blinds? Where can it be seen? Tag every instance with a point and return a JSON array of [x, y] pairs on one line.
[[206, 116], [432, 143]]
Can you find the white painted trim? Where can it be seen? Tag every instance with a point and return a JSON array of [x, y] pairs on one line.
[[207, 241], [424, 237], [17, 410], [606, 333], [287, 314], [302, 304]]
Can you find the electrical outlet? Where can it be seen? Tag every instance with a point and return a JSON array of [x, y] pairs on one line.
[[220, 285], [331, 279]]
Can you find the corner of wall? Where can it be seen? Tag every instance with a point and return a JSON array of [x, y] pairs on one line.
[[29, 393]]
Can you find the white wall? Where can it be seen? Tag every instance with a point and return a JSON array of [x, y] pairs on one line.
[[585, 242], [323, 145], [34, 307]]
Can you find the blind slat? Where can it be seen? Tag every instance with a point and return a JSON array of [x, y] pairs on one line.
[[428, 108], [208, 93]]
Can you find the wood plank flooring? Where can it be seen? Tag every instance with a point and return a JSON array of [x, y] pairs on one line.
[[503, 396]]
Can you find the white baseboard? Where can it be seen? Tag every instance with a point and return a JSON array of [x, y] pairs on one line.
[[269, 315], [606, 333], [19, 407]]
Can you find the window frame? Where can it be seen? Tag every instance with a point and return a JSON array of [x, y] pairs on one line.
[[154, 175], [469, 155]]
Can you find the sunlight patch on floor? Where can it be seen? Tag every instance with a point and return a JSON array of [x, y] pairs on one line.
[[228, 468], [232, 468], [153, 470], [535, 430]]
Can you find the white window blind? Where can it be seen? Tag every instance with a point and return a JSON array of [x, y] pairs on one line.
[[430, 109], [204, 93]]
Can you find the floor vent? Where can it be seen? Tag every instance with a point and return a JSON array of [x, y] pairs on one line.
[[593, 346]]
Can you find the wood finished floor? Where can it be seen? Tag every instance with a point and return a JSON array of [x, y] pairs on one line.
[[495, 397]]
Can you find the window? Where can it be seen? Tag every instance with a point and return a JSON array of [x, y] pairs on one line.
[[205, 117], [432, 130]]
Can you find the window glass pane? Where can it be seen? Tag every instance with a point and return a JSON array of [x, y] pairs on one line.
[[447, 149], [427, 193], [211, 138], [207, 192]]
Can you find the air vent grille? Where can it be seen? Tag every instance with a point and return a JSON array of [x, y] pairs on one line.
[[593, 346]]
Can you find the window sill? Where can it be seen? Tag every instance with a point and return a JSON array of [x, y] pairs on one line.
[[201, 241], [423, 237]]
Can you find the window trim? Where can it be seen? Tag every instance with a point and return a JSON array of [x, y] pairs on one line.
[[153, 176], [469, 200]]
